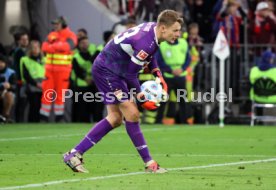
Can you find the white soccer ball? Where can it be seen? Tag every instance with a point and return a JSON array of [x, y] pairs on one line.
[[152, 91]]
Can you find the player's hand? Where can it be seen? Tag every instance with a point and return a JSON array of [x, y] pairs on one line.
[[146, 104], [160, 80]]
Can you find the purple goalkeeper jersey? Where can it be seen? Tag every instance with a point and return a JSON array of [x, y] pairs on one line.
[[130, 51]]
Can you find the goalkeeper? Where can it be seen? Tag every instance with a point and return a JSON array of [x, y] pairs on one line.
[[115, 72]]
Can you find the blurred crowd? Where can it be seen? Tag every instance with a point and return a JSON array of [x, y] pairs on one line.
[[209, 15], [31, 67]]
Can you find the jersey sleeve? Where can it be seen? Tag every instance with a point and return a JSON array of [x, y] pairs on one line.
[[143, 53], [153, 65]]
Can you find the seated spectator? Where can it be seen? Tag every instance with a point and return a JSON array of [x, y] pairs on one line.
[[266, 69], [33, 72], [7, 88]]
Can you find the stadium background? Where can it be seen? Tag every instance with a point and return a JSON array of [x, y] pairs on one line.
[[198, 157], [100, 16]]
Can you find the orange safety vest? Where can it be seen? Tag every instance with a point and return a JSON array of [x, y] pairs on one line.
[[59, 59]]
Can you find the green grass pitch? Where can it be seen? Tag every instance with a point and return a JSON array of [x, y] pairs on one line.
[[198, 157]]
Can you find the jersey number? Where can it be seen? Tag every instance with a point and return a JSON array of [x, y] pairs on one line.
[[121, 37]]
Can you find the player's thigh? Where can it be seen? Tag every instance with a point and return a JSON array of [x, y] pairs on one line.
[[114, 115], [130, 111], [113, 89]]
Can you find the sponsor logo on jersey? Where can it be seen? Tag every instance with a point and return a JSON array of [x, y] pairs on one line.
[[118, 94], [142, 55]]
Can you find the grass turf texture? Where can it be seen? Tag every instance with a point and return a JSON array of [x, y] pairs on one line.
[[31, 154]]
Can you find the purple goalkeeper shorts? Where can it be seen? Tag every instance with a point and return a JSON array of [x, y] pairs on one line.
[[112, 89]]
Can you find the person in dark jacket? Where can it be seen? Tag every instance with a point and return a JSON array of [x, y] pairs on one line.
[[22, 41], [7, 89], [33, 72], [82, 82]]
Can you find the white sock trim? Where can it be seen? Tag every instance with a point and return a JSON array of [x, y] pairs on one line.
[[90, 140], [141, 147], [73, 150], [149, 162]]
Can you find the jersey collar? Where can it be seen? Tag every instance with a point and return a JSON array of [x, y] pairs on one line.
[[155, 36]]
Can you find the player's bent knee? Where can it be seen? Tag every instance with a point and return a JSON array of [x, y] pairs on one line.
[[117, 123], [130, 111], [134, 116], [115, 119]]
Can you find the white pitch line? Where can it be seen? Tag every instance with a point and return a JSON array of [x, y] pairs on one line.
[[72, 135], [38, 137], [132, 174], [79, 134], [125, 154], [225, 164]]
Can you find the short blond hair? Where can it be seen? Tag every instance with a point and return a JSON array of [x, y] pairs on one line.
[[30, 47], [169, 17]]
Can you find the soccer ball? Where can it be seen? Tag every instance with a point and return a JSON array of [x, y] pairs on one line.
[[152, 91]]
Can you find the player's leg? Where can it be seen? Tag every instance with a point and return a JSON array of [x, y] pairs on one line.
[[131, 115], [74, 158], [112, 120]]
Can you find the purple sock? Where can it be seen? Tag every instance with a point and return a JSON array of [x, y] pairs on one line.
[[136, 135], [94, 136]]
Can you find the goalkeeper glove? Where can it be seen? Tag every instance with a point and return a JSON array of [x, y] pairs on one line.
[[146, 104], [160, 80]]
